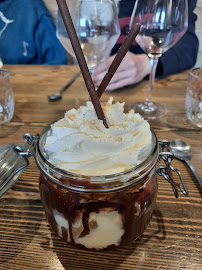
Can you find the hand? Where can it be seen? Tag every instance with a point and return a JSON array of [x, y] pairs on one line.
[[133, 68]]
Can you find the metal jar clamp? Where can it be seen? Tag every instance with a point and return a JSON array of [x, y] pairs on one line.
[[167, 170]]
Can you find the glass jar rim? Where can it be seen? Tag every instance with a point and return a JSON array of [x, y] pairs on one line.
[[5, 75], [191, 73], [132, 174]]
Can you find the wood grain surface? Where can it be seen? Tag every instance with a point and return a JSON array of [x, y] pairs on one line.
[[173, 240]]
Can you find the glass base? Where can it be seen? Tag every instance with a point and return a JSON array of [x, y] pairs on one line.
[[195, 118], [153, 111]]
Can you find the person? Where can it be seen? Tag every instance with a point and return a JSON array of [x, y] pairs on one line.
[[136, 65], [28, 34]]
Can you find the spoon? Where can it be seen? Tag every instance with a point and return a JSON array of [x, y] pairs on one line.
[[58, 96], [182, 150]]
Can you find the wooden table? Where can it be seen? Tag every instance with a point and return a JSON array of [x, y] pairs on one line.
[[173, 238]]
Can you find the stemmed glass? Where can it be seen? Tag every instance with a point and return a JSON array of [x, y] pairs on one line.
[[97, 27], [163, 23]]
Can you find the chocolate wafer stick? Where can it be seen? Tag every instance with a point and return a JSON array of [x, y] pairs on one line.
[[63, 8], [118, 58]]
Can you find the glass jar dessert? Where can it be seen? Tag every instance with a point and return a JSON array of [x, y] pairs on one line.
[[98, 212]]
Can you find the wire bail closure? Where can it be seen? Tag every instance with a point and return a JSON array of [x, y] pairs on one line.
[[167, 170], [31, 141]]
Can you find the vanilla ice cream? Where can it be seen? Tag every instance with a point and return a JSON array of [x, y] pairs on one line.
[[81, 144], [106, 228]]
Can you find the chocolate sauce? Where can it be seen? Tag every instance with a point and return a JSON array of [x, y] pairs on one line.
[[134, 204]]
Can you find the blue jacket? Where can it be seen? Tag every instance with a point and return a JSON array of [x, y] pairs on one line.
[[180, 57], [27, 34]]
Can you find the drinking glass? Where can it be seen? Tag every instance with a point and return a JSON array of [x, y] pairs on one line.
[[97, 27], [6, 97], [163, 23], [194, 96]]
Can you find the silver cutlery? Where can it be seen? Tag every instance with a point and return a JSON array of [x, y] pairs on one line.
[[58, 95], [182, 150]]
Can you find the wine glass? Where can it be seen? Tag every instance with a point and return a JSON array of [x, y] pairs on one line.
[[97, 27], [163, 23]]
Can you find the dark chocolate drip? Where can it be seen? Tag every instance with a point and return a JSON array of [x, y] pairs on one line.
[[126, 201]]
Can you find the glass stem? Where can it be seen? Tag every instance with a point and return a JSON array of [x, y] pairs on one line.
[[91, 70], [153, 65]]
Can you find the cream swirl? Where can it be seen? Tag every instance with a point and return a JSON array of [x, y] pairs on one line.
[[80, 143]]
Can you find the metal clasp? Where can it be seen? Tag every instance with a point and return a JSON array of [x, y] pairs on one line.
[[167, 170], [31, 141]]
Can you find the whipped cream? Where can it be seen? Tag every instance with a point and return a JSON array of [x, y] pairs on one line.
[[81, 144]]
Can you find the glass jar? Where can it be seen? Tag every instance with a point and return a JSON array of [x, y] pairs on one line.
[[98, 212]]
